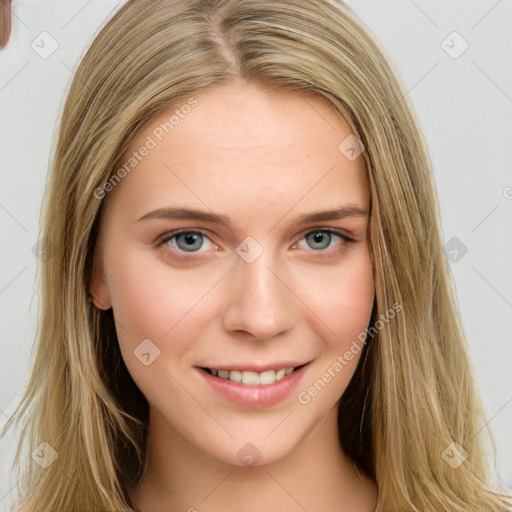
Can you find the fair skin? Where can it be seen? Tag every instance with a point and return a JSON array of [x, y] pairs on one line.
[[261, 159]]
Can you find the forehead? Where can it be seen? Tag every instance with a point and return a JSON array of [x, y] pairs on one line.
[[243, 145]]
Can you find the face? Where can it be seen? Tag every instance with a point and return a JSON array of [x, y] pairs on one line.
[[237, 246]]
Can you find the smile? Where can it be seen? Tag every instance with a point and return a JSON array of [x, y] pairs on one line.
[[251, 388], [251, 378]]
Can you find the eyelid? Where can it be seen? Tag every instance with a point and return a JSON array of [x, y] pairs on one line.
[[333, 231], [165, 237]]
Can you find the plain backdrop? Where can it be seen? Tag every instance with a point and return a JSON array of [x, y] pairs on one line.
[[453, 57]]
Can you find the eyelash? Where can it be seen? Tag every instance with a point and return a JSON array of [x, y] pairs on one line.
[[322, 253]]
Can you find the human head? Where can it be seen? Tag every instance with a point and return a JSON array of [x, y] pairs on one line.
[[164, 54], [260, 159]]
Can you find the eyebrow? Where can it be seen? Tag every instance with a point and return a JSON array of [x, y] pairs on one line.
[[174, 213]]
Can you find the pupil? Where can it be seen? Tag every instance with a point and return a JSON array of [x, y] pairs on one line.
[[319, 240], [189, 242]]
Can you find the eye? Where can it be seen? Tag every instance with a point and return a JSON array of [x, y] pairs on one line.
[[187, 241], [322, 239]]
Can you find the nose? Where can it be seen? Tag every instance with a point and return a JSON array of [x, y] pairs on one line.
[[260, 302]]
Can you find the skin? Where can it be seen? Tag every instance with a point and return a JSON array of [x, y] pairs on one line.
[[262, 158]]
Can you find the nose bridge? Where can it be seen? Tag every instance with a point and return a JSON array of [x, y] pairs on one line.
[[260, 303]]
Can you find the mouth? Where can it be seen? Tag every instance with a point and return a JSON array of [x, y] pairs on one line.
[[254, 386], [253, 378]]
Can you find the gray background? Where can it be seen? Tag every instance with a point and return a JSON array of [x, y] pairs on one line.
[[464, 105]]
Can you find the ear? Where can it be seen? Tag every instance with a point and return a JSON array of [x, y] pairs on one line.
[[98, 286]]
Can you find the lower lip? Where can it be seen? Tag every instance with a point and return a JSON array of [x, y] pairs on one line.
[[255, 396]]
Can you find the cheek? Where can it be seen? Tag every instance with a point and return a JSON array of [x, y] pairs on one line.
[[341, 297], [350, 308], [136, 299], [163, 307], [342, 308], [149, 298]]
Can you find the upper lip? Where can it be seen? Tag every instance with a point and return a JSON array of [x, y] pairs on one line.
[[256, 367]]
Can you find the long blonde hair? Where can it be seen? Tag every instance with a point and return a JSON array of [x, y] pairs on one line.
[[413, 393]]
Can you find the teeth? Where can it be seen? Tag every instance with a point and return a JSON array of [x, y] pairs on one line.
[[253, 378], [235, 376], [268, 377], [250, 378]]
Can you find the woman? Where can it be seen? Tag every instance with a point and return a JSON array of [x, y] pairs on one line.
[[247, 305]]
